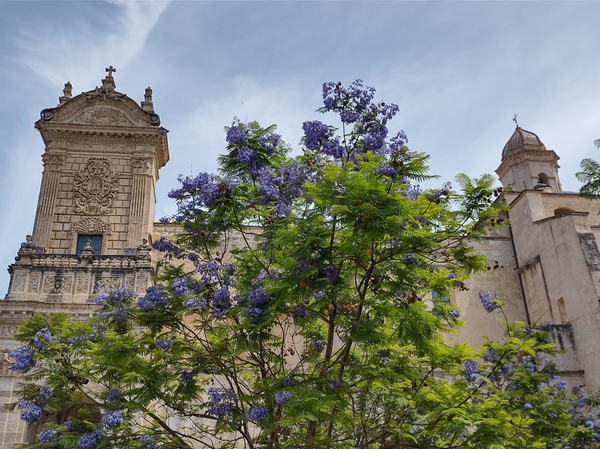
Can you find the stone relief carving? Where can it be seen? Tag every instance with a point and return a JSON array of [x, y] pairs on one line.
[[103, 116], [34, 282], [105, 92], [95, 188], [105, 283], [142, 283], [141, 165], [130, 282], [52, 161], [57, 284], [19, 281], [83, 284]]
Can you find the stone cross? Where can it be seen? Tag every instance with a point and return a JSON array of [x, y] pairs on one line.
[[110, 69]]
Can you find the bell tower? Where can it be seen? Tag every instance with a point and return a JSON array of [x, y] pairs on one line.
[[95, 210], [527, 164]]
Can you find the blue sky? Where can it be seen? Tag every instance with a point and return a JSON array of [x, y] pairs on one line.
[[458, 70]]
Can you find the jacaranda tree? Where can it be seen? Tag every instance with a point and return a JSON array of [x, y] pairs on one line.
[[303, 315]]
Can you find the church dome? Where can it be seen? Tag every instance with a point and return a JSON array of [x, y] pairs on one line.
[[520, 141]]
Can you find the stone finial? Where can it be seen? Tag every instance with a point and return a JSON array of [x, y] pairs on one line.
[[147, 104], [27, 248], [67, 93]]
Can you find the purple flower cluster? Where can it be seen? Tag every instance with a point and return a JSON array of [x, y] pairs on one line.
[[471, 367], [257, 413], [317, 344], [222, 401], [180, 286], [288, 381], [331, 273], [113, 418], [197, 193], [77, 338], [187, 377], [258, 297], [236, 135], [490, 356], [46, 393], [454, 313], [337, 97], [89, 440], [47, 436], [269, 141], [42, 337], [164, 343], [315, 133], [300, 311], [337, 383], [22, 357], [410, 259], [386, 170], [487, 300], [30, 411], [282, 396], [114, 395], [221, 302], [195, 303], [119, 294], [155, 296], [163, 245], [148, 442], [247, 156]]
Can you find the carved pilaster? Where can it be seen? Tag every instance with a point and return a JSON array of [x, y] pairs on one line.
[[141, 196], [42, 227]]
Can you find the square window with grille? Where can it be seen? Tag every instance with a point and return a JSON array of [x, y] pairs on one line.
[[96, 243]]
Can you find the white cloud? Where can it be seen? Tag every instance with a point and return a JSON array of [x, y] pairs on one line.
[[77, 50]]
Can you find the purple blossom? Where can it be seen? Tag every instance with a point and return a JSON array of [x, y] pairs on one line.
[[246, 156], [222, 401], [337, 383], [317, 344], [45, 393], [163, 245], [257, 413], [30, 410], [333, 148], [269, 141], [561, 385], [187, 377], [89, 440], [471, 367], [349, 116], [77, 338], [315, 133], [42, 337], [397, 142], [528, 406], [300, 311], [180, 286], [194, 302], [100, 299], [22, 357], [113, 418], [258, 297], [410, 259], [119, 294], [454, 313], [235, 134], [254, 312], [319, 294], [47, 436], [331, 273], [282, 396], [288, 381], [386, 170], [164, 343], [155, 295], [114, 395], [490, 355], [487, 300]]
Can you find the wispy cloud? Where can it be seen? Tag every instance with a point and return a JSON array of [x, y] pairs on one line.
[[76, 51]]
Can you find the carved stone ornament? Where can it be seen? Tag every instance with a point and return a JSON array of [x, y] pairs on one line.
[[95, 188], [103, 116], [104, 92], [52, 161], [141, 165], [57, 284], [91, 226]]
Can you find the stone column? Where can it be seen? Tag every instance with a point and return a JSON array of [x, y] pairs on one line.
[[142, 197], [42, 227]]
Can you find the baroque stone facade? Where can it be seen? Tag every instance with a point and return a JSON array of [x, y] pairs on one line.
[[95, 216]]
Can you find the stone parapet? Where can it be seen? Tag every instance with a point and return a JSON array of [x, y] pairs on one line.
[[75, 278]]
